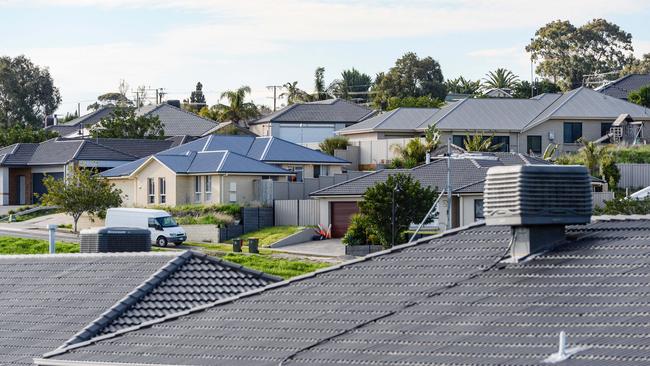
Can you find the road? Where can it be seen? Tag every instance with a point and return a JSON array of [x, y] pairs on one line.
[[37, 234]]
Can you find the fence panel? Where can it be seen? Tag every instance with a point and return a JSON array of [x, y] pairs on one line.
[[297, 212], [634, 175], [599, 198]]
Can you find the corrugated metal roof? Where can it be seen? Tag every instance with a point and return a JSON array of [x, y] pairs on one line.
[[400, 119], [328, 111]]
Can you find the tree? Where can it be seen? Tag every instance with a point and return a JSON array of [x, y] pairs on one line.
[[293, 93], [567, 53], [123, 123], [410, 155], [319, 84], [236, 110], [480, 143], [410, 77], [593, 155], [500, 79], [24, 134], [353, 85], [114, 99], [332, 143], [27, 92], [84, 190], [424, 101], [637, 66], [431, 138], [359, 232], [624, 206], [523, 88], [641, 96], [412, 202], [461, 85], [197, 97]]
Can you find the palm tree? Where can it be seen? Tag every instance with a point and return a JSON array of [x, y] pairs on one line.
[[461, 85], [501, 78], [411, 154], [293, 93], [593, 155], [479, 143], [237, 110], [319, 84], [353, 85], [431, 138]]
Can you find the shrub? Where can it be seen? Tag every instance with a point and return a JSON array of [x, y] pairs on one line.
[[359, 232], [625, 206], [332, 143]]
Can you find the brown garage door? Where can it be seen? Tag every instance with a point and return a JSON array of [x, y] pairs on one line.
[[340, 216]]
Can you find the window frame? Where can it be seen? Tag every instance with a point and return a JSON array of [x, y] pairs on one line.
[[232, 192], [478, 207], [207, 186], [151, 190], [162, 190], [528, 144], [197, 189], [567, 139]]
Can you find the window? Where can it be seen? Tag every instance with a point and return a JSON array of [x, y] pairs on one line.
[[162, 190], [478, 209], [316, 171], [534, 144], [232, 192], [298, 170], [604, 129], [572, 132], [197, 189], [151, 190], [208, 187], [321, 170], [458, 140]]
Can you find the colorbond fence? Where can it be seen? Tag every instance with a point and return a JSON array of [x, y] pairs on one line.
[[297, 212]]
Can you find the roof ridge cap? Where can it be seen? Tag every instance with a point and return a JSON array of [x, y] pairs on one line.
[[132, 298], [349, 180]]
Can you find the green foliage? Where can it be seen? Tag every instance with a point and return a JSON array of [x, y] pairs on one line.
[[567, 53], [27, 92], [294, 94], [461, 85], [609, 171], [271, 234], [478, 143], [523, 89], [410, 77], [500, 78], [20, 133], [123, 123], [641, 96], [637, 66], [639, 154], [409, 155], [236, 110], [624, 206], [353, 85], [412, 202], [360, 232], [431, 138], [284, 268], [424, 101], [84, 190], [599, 160], [550, 151], [222, 214], [197, 97], [115, 99], [332, 143], [319, 84], [11, 245]]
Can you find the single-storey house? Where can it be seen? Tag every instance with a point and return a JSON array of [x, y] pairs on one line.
[[457, 298], [310, 122], [56, 300], [176, 121], [620, 88], [523, 125], [218, 169], [397, 123], [23, 166]]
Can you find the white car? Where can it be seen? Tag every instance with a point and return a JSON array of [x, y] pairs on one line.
[[161, 224]]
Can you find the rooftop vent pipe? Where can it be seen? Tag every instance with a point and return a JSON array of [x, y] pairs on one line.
[[537, 201]]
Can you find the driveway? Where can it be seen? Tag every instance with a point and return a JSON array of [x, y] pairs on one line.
[[320, 248], [36, 228]]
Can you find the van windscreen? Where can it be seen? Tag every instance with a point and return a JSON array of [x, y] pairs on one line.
[[166, 221]]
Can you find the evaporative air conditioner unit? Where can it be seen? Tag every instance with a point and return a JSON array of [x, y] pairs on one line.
[[115, 239], [528, 195]]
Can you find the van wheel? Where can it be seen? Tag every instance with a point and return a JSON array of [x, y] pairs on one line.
[[161, 241]]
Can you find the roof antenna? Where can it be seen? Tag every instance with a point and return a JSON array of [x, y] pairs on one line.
[[563, 353]]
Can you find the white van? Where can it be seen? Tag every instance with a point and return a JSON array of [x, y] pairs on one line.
[[161, 224]]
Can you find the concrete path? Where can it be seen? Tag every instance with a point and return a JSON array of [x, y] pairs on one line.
[[36, 228], [323, 248]]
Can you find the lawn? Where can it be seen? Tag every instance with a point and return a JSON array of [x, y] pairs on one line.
[[11, 245], [271, 234], [285, 268]]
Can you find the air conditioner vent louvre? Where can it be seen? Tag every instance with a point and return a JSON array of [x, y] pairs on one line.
[[537, 195]]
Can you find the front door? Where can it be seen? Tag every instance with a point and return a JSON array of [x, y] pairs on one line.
[[21, 190]]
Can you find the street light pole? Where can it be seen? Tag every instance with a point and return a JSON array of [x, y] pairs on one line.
[[393, 214]]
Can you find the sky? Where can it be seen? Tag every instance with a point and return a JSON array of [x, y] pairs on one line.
[[90, 45]]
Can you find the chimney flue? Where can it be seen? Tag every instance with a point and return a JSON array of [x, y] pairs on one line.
[[537, 201]]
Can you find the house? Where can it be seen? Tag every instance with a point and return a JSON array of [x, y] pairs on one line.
[[525, 125], [310, 122], [471, 296], [620, 88], [176, 121], [398, 123], [23, 166], [498, 93], [218, 169], [55, 300], [340, 201]]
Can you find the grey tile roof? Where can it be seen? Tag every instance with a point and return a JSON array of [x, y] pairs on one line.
[[466, 170], [178, 121], [622, 87], [326, 111], [400, 119], [136, 147], [442, 301], [87, 120], [47, 299], [17, 154], [55, 152], [586, 103]]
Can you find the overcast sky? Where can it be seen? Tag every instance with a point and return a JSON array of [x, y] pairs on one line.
[[89, 45]]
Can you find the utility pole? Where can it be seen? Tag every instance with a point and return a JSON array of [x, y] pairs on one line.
[[78, 109], [449, 183], [275, 94]]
